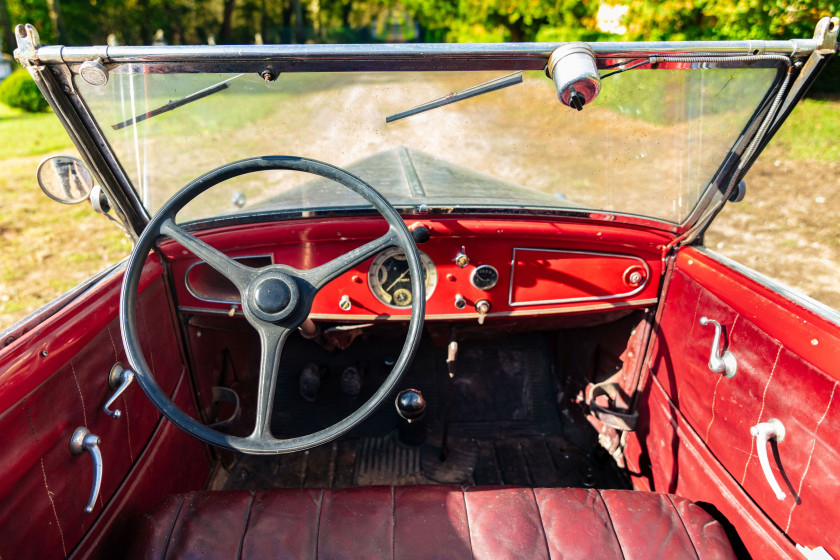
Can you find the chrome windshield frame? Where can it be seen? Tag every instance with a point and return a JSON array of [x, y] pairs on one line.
[[54, 67]]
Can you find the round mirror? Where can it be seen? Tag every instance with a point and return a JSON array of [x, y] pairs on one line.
[[65, 179]]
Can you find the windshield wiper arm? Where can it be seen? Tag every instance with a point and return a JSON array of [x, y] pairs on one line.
[[200, 94], [486, 87]]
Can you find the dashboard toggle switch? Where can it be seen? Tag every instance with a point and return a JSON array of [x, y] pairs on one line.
[[483, 308], [461, 259], [460, 302]]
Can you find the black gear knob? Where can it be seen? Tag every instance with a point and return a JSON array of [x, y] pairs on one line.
[[410, 404]]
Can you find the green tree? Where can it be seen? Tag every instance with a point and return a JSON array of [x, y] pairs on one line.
[[501, 20], [725, 19]]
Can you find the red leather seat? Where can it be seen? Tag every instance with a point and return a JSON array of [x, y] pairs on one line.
[[431, 522]]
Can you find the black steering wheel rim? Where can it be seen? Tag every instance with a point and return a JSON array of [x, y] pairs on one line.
[[163, 224]]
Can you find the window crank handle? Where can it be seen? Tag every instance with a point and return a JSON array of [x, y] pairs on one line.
[[118, 379], [720, 361]]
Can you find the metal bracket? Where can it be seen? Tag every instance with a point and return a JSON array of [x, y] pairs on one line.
[[28, 42], [826, 34], [625, 420]]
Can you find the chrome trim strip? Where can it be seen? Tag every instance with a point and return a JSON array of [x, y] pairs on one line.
[[191, 290], [807, 302], [580, 299], [451, 316], [442, 55]]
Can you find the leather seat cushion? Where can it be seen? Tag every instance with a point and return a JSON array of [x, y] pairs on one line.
[[430, 522]]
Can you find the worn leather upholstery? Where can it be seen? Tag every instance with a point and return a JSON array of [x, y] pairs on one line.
[[430, 522]]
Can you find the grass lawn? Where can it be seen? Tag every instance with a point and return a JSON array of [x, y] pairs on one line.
[[47, 247], [26, 134]]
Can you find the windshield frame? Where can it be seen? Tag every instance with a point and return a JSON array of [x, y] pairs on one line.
[[66, 62]]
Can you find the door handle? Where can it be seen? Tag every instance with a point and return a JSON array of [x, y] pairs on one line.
[[119, 379], [763, 433], [81, 441], [720, 362]]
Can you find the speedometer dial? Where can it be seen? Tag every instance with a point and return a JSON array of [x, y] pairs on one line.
[[390, 280]]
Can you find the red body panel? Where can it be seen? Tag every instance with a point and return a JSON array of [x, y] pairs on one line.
[[486, 241]]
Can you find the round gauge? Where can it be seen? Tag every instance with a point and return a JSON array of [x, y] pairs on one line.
[[484, 277], [390, 281]]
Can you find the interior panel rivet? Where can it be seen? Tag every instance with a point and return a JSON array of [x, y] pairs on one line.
[[814, 341]]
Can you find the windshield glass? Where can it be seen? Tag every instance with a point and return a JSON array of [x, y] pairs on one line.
[[648, 145]]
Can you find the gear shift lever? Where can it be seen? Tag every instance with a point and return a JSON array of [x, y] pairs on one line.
[[412, 407]]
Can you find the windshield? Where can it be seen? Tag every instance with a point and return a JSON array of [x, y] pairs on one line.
[[649, 144]]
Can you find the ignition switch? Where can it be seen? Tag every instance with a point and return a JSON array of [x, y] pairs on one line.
[[461, 259]]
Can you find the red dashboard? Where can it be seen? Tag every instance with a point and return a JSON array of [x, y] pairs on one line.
[[527, 267]]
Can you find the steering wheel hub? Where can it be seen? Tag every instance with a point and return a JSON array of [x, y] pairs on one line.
[[274, 296]]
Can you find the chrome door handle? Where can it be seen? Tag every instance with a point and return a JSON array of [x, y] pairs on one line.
[[119, 379], [81, 441], [720, 362], [763, 433]]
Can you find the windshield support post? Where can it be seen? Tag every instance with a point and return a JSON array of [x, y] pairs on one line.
[[826, 33], [70, 116]]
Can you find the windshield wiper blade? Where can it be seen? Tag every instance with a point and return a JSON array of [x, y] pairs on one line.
[[200, 94], [487, 87]]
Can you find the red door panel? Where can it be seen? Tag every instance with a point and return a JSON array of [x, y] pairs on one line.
[[44, 488], [776, 378]]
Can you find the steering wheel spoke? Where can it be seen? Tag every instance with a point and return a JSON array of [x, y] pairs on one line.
[[272, 340], [321, 275], [237, 273]]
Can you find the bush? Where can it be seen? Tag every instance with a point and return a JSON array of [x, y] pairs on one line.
[[20, 91]]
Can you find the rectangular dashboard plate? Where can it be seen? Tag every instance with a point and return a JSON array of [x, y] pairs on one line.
[[556, 276]]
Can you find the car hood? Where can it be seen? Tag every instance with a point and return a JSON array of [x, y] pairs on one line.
[[410, 178]]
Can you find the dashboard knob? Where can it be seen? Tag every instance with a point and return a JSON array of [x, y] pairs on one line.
[[483, 308], [420, 234], [460, 302], [344, 303]]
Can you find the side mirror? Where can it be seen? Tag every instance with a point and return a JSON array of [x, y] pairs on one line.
[[65, 179]]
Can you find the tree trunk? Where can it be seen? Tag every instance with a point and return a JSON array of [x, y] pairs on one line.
[[54, 8], [263, 22], [299, 38], [227, 16], [8, 39]]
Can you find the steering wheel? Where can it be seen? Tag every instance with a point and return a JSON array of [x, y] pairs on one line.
[[276, 299]]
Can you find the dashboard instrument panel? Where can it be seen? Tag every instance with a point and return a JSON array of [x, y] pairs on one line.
[[515, 267]]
